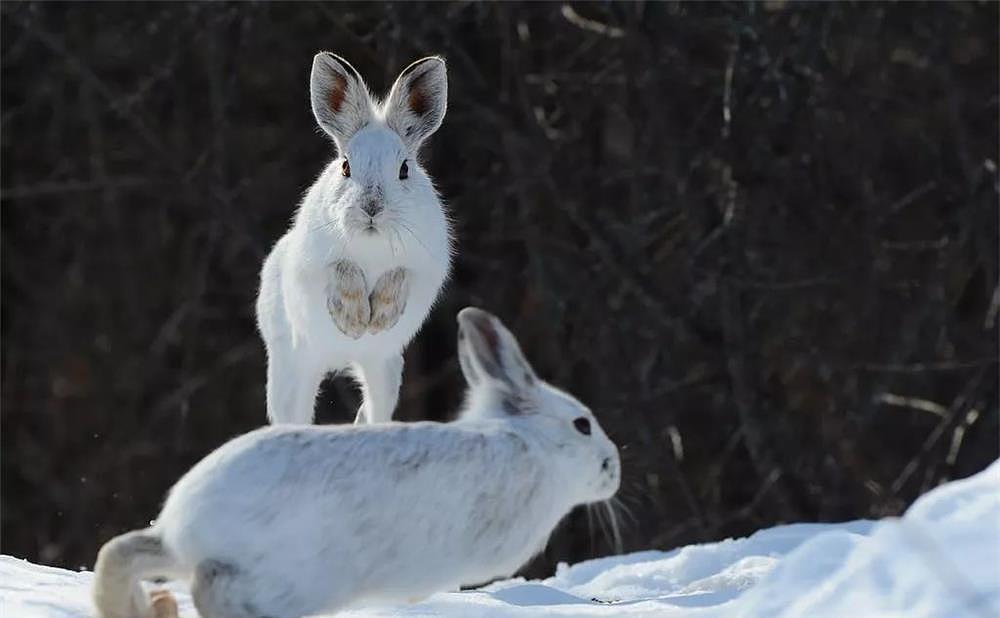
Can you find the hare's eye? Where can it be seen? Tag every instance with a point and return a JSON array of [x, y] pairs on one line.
[[582, 425], [404, 171], [346, 169]]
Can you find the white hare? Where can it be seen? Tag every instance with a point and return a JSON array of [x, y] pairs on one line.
[[348, 286], [289, 521]]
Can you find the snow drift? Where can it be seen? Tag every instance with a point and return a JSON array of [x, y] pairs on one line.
[[942, 558]]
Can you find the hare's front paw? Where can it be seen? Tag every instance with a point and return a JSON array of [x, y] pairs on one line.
[[347, 299], [388, 299]]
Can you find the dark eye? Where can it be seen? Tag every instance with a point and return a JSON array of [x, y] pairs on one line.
[[346, 169], [582, 425], [404, 171]]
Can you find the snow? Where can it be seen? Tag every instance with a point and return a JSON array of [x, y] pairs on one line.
[[942, 558]]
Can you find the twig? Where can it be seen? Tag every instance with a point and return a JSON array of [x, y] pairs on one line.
[[909, 198], [44, 189], [590, 25], [915, 403], [192, 385], [928, 366], [957, 406]]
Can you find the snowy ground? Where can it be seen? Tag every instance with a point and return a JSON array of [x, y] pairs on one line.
[[941, 559]]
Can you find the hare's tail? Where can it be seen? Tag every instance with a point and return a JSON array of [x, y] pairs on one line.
[[122, 564]]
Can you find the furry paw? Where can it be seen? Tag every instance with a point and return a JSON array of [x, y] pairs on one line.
[[163, 604], [347, 299], [388, 299]]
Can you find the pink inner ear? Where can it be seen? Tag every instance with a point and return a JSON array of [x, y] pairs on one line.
[[418, 98], [490, 335], [338, 92]]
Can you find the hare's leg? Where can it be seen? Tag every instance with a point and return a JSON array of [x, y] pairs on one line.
[[216, 592], [380, 381], [221, 590], [163, 604], [291, 387]]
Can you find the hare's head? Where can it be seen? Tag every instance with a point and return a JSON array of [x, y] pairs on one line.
[[503, 384], [379, 188]]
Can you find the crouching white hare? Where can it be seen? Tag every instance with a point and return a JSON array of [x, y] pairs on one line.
[[353, 279], [289, 521]]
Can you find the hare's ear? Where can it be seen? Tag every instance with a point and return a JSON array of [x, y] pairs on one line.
[[488, 351], [418, 100], [340, 99], [469, 368]]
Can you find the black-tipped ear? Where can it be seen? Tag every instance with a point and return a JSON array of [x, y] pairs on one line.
[[418, 101], [340, 99], [488, 351]]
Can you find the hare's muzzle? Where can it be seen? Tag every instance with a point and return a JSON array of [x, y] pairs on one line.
[[611, 473], [372, 207]]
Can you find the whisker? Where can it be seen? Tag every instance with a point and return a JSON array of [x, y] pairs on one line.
[[399, 238], [389, 240], [600, 521], [348, 238], [622, 507], [601, 513], [590, 524], [325, 225], [616, 533], [410, 231]]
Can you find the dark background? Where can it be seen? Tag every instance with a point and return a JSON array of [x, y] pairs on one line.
[[759, 240]]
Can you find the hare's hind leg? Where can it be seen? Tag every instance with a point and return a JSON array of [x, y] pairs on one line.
[[291, 386], [222, 590], [163, 604], [380, 380]]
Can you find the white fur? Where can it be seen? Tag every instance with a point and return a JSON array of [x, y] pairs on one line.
[[303, 342], [290, 521]]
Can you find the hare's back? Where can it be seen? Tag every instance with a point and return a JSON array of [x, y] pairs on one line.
[[268, 486]]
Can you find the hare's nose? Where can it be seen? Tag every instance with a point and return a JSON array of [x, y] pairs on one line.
[[372, 207]]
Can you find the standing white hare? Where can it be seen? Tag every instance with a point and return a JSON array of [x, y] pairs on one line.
[[348, 286], [291, 521]]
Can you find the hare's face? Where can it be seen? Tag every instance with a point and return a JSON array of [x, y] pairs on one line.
[[380, 188], [590, 460], [502, 383]]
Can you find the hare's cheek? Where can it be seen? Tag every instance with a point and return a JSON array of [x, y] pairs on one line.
[[335, 214]]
